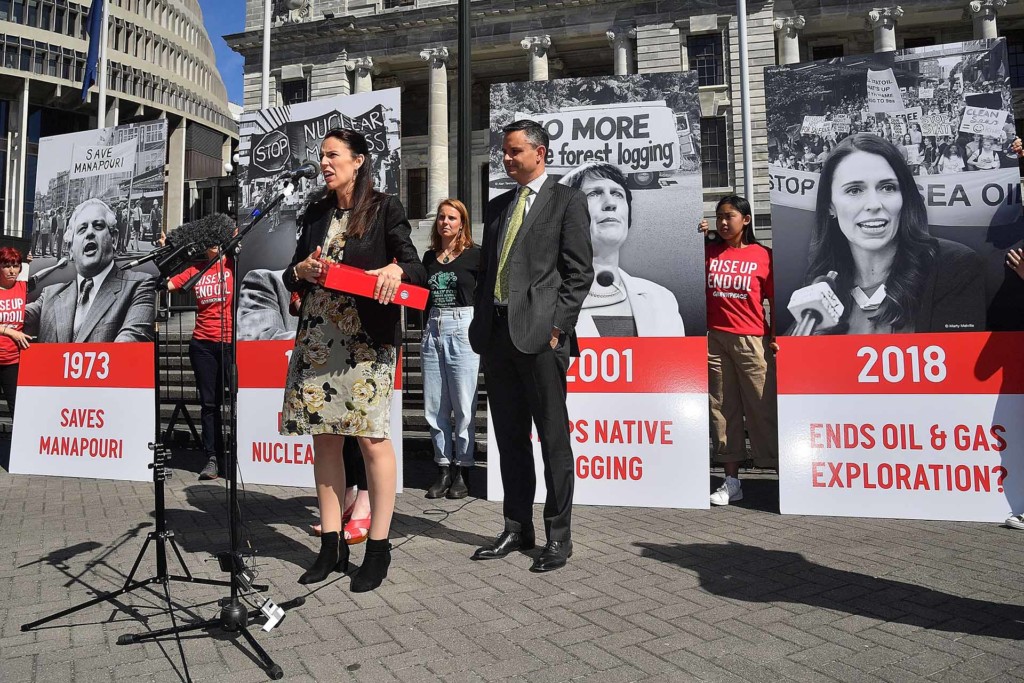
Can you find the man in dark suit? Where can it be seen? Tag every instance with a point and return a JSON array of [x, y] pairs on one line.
[[535, 273], [101, 304]]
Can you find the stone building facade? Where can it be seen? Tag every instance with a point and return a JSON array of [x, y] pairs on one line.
[[330, 47], [161, 64]]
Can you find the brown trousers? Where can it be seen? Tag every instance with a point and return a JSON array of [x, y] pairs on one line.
[[741, 385]]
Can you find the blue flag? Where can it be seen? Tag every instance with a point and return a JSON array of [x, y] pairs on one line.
[[95, 26]]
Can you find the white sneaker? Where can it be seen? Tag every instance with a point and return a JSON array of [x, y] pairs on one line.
[[730, 491], [1015, 521]]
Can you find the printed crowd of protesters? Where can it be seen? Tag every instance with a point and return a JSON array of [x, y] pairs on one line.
[[925, 154], [138, 224]]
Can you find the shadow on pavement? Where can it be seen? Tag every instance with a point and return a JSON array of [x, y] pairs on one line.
[[205, 529], [743, 572]]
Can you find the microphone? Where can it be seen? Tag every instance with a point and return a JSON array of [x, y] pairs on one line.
[[816, 306], [151, 256], [605, 279], [190, 240], [307, 170]]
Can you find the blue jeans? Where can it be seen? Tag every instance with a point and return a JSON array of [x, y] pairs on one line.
[[450, 370]]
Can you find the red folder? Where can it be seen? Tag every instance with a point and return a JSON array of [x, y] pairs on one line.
[[342, 278]]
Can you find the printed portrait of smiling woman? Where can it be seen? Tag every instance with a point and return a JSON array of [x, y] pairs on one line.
[[871, 228]]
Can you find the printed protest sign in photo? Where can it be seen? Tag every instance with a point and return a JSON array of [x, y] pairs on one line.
[[98, 203], [272, 141], [896, 379], [637, 399]]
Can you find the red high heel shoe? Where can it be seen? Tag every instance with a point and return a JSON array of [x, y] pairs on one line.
[[316, 529]]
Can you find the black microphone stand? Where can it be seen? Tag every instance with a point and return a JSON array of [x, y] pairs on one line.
[[234, 616], [161, 537]]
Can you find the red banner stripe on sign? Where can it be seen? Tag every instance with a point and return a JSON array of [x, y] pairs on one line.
[[640, 365], [951, 363], [264, 364], [126, 365]]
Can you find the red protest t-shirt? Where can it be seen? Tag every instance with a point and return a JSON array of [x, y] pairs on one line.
[[739, 279], [213, 297], [12, 312]]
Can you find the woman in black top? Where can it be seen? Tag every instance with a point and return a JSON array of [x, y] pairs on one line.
[[341, 373], [450, 366]]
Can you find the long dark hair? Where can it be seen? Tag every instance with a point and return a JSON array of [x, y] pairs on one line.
[[915, 248], [743, 206], [365, 200]]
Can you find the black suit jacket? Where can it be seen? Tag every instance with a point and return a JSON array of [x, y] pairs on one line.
[[386, 241], [551, 268]]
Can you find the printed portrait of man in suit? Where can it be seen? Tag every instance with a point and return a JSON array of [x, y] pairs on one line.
[[101, 304]]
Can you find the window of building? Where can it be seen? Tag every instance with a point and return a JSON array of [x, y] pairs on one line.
[[705, 52], [17, 11], [414, 98], [32, 13], [826, 52], [46, 16], [295, 91], [388, 4], [417, 184], [920, 41], [714, 152], [1015, 53]]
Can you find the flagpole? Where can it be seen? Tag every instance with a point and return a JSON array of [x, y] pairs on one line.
[[101, 75]]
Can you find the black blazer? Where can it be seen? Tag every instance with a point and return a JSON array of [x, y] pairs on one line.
[[387, 240], [551, 268]]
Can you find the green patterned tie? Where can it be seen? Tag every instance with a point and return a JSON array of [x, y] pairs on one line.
[[514, 223]]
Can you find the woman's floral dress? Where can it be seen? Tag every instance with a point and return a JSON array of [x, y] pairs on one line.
[[339, 379]]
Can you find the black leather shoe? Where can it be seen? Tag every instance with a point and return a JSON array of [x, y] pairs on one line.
[[458, 489], [444, 481], [554, 556], [506, 542]]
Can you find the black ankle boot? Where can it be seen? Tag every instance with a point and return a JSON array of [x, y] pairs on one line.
[[375, 566], [333, 557], [444, 480], [458, 489]]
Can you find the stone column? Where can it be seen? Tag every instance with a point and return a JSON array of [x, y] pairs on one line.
[[16, 164], [882, 20], [538, 47], [984, 12], [437, 130], [174, 213], [621, 40], [362, 67], [787, 38]]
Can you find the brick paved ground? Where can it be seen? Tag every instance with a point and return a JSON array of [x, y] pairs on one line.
[[732, 594]]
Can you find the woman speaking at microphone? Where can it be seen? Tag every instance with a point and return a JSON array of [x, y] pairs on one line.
[[871, 228], [741, 341], [342, 371]]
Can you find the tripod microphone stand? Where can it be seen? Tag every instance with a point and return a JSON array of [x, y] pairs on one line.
[[161, 537], [234, 616]]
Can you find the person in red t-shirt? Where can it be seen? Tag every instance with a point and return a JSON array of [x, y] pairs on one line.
[[13, 294], [211, 342], [741, 375]]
